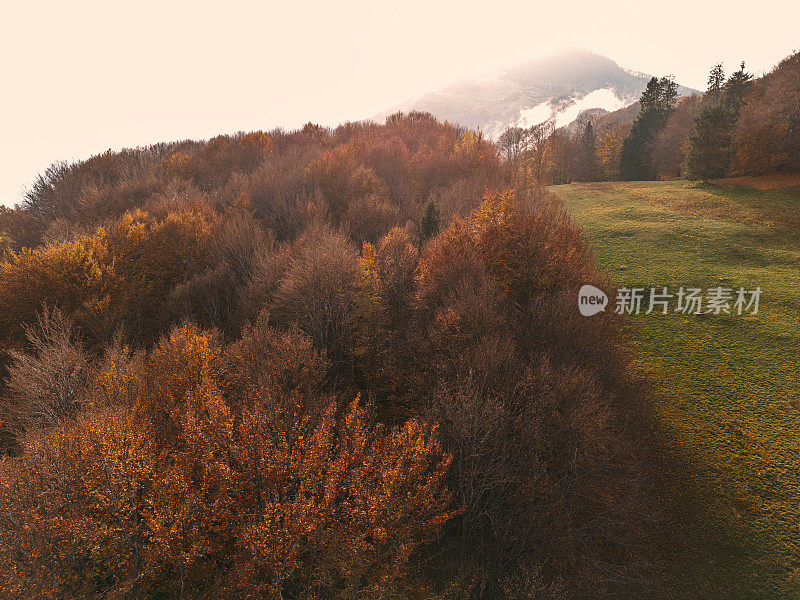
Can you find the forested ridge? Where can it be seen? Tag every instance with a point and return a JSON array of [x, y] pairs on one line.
[[316, 364]]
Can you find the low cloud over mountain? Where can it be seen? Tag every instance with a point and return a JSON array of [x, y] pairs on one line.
[[560, 86]]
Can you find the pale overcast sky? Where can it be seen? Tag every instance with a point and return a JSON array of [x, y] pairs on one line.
[[82, 77]]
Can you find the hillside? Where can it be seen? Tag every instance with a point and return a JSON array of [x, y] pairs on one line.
[[726, 385], [562, 85], [326, 363], [761, 137], [768, 134]]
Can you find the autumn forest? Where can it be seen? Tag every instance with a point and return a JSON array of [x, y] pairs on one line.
[[346, 362]]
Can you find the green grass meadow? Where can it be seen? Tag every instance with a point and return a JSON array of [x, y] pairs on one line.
[[727, 387]]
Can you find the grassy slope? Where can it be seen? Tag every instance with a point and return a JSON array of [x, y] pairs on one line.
[[727, 387]]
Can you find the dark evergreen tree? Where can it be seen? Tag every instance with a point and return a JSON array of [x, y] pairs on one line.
[[429, 223], [710, 143], [735, 89], [588, 164], [657, 104], [716, 79]]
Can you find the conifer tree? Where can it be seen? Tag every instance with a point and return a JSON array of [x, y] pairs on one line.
[[429, 224], [716, 79], [657, 104], [735, 88], [710, 144], [588, 152]]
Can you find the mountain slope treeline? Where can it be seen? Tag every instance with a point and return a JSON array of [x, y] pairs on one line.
[[738, 127], [317, 364]]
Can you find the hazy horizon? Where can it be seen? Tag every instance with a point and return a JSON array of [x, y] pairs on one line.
[[88, 76]]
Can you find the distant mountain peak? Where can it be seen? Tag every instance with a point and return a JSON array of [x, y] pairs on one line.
[[561, 85]]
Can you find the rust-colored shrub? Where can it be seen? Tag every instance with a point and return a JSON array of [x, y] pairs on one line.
[[115, 504], [339, 179], [47, 385], [318, 292], [369, 219], [268, 366]]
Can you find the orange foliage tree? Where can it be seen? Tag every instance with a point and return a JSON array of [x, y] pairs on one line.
[[171, 496]]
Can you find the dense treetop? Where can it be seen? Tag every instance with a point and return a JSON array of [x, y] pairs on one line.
[[314, 364]]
